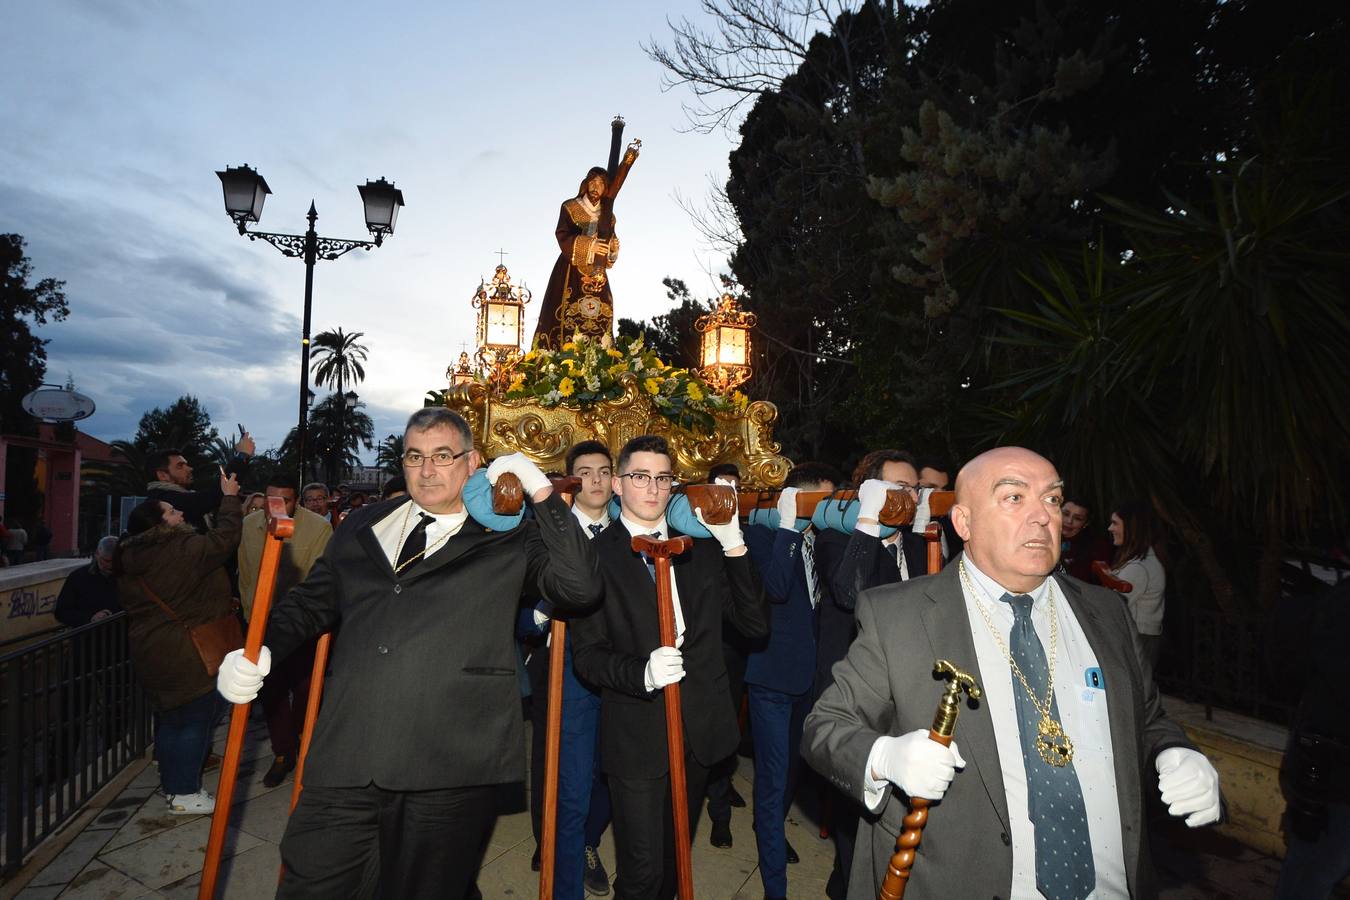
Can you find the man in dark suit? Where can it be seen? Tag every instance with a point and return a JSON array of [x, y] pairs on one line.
[[618, 649], [421, 712], [1051, 800], [779, 672]]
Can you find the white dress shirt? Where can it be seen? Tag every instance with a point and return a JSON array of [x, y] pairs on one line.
[[886, 543], [404, 519], [586, 521], [1082, 713], [635, 529]]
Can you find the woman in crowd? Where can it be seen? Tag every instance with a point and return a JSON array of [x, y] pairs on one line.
[[162, 558], [255, 502], [1136, 534]]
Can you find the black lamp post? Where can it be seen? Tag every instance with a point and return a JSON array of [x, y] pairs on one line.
[[246, 190]]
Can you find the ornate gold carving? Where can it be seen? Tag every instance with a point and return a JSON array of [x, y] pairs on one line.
[[545, 434]]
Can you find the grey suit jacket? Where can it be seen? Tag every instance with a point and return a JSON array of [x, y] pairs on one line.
[[885, 686]]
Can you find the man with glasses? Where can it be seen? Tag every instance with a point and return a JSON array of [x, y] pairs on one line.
[[420, 720], [583, 797], [618, 649]]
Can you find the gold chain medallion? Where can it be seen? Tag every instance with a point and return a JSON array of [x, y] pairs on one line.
[[1052, 743]]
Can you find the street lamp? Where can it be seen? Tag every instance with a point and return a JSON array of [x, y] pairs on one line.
[[501, 323], [726, 344], [245, 192]]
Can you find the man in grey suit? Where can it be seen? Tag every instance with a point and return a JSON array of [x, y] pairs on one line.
[[1054, 758]]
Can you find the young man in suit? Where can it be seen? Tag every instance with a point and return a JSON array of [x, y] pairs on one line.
[[1049, 801], [421, 711], [871, 560], [583, 796], [780, 670], [618, 649]]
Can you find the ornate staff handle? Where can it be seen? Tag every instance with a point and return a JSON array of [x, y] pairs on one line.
[[944, 726]]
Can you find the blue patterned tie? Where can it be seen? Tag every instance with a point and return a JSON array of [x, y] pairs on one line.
[[595, 528], [1064, 867]]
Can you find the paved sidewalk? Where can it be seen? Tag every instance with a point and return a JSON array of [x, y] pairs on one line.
[[133, 849]]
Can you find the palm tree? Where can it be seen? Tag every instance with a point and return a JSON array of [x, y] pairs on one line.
[[337, 359], [389, 454], [338, 432]]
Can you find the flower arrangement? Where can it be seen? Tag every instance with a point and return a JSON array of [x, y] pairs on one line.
[[584, 372]]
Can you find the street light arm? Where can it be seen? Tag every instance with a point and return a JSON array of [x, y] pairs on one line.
[[294, 244]]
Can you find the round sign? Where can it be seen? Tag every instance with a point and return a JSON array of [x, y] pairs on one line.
[[55, 404]]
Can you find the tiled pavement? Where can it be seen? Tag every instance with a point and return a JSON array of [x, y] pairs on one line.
[[132, 849]]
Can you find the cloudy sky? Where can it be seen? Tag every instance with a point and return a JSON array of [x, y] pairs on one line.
[[117, 113]]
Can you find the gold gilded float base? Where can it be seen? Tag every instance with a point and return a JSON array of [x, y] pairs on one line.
[[545, 434]]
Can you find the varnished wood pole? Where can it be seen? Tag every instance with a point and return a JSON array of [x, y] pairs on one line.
[[279, 527], [316, 676], [933, 535], [548, 838], [661, 552]]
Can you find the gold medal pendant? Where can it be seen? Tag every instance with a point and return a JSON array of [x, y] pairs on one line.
[[1053, 744]]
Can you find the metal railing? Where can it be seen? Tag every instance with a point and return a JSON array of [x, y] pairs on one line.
[[72, 716], [1222, 660]]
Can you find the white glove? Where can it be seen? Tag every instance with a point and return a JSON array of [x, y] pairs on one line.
[[872, 497], [1189, 785], [728, 535], [917, 765], [518, 464], [238, 679], [922, 515], [665, 666], [787, 509]]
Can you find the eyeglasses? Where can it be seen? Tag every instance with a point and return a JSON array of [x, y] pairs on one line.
[[642, 479], [414, 460], [906, 486]]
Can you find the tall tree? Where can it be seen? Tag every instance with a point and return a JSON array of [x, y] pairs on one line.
[[337, 359], [23, 307], [389, 454], [339, 433]]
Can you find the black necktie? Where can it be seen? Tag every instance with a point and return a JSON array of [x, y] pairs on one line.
[[1064, 866], [416, 542], [596, 528]]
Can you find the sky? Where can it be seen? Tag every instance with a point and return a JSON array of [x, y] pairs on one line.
[[117, 114]]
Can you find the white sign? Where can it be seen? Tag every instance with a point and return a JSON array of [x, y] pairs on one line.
[[55, 404]]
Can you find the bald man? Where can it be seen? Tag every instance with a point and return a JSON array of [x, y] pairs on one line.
[[1042, 793]]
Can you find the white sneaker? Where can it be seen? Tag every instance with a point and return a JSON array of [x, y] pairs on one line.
[[198, 804]]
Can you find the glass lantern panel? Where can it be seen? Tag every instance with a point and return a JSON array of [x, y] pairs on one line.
[[709, 352], [503, 328], [731, 349]]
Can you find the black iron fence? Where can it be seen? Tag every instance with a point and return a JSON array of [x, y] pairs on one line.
[[72, 716], [1226, 660]]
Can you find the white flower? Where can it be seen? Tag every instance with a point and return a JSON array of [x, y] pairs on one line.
[[593, 383], [552, 397]]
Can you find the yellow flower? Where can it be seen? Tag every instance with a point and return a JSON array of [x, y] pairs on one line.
[[531, 355], [566, 388], [516, 383], [694, 393], [615, 354], [569, 347], [570, 363], [739, 399], [652, 386]]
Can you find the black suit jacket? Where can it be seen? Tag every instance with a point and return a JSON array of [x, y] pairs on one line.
[[610, 648], [867, 564], [422, 691]]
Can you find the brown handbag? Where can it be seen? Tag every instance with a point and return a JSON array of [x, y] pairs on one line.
[[213, 639]]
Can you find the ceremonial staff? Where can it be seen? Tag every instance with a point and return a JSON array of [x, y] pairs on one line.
[[548, 841], [279, 527], [944, 725]]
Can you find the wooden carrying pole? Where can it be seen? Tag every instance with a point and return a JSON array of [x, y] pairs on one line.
[[944, 726], [548, 840], [279, 527], [899, 508], [661, 552]]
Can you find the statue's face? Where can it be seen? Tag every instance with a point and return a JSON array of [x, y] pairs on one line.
[[595, 187]]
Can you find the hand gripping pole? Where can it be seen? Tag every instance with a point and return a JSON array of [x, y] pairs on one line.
[[279, 527], [944, 726]]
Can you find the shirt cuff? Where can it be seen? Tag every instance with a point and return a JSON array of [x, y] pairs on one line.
[[874, 791], [868, 528]]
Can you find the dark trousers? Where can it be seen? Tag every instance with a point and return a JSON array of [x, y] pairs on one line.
[[182, 741], [776, 725], [644, 836], [423, 844], [734, 655], [283, 697]]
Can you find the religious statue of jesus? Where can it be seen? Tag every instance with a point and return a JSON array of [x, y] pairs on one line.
[[578, 298]]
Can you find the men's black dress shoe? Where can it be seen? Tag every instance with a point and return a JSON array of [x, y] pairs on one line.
[[734, 797], [596, 879], [534, 860], [281, 767], [721, 835], [792, 856]]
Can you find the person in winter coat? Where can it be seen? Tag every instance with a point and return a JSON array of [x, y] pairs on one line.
[[163, 556]]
